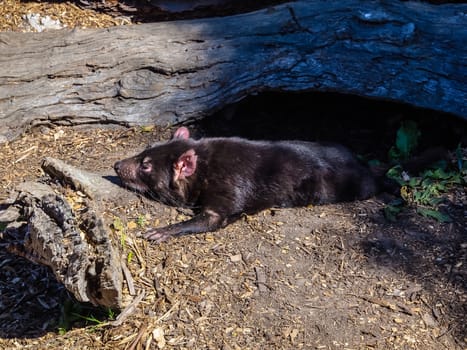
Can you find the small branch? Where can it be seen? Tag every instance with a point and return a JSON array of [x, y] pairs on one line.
[[130, 309]]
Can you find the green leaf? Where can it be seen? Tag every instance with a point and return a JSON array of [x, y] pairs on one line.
[[110, 314], [395, 174], [414, 182], [407, 138], [118, 224], [427, 182], [456, 179], [418, 196], [393, 209], [435, 214], [440, 187], [89, 318], [129, 257], [122, 239], [435, 201], [440, 174], [141, 221]]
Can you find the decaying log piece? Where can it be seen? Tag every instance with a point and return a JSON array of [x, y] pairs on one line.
[[75, 243], [94, 186], [172, 71]]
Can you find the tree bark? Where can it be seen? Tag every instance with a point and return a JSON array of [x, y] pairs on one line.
[[70, 237], [169, 72]]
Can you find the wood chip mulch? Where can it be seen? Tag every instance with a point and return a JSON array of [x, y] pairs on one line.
[[13, 12]]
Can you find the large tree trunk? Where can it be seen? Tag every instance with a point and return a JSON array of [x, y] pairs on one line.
[[169, 72]]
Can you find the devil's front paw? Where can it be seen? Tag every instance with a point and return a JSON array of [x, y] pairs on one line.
[[157, 235]]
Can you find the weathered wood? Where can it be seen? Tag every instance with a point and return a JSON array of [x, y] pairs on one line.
[[75, 243], [93, 185], [169, 72]]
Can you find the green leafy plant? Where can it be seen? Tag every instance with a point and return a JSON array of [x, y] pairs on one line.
[[129, 257], [119, 228], [141, 220], [425, 190], [435, 214], [73, 311]]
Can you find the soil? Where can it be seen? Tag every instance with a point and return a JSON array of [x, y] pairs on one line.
[[322, 277]]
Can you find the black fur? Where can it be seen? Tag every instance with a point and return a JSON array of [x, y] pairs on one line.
[[233, 176]]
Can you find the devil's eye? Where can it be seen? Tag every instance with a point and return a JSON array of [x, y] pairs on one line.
[[145, 166]]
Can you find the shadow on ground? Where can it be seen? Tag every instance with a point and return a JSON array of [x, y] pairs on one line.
[[332, 274]]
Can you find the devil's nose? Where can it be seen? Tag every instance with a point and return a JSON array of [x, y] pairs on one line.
[[117, 166]]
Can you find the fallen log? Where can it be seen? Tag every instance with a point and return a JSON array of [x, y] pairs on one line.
[[166, 73], [71, 236]]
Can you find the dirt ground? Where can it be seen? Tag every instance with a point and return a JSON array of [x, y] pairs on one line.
[[325, 277]]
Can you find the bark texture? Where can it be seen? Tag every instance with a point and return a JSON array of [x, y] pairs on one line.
[[71, 237], [172, 71]]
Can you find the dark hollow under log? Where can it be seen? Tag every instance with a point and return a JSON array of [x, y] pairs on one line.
[[172, 71]]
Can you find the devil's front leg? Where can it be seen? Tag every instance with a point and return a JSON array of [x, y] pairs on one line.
[[207, 220]]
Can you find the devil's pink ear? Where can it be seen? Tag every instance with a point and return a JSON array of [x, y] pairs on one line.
[[185, 166], [182, 133]]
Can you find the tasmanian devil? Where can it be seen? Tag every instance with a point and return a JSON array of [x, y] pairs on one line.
[[222, 178]]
